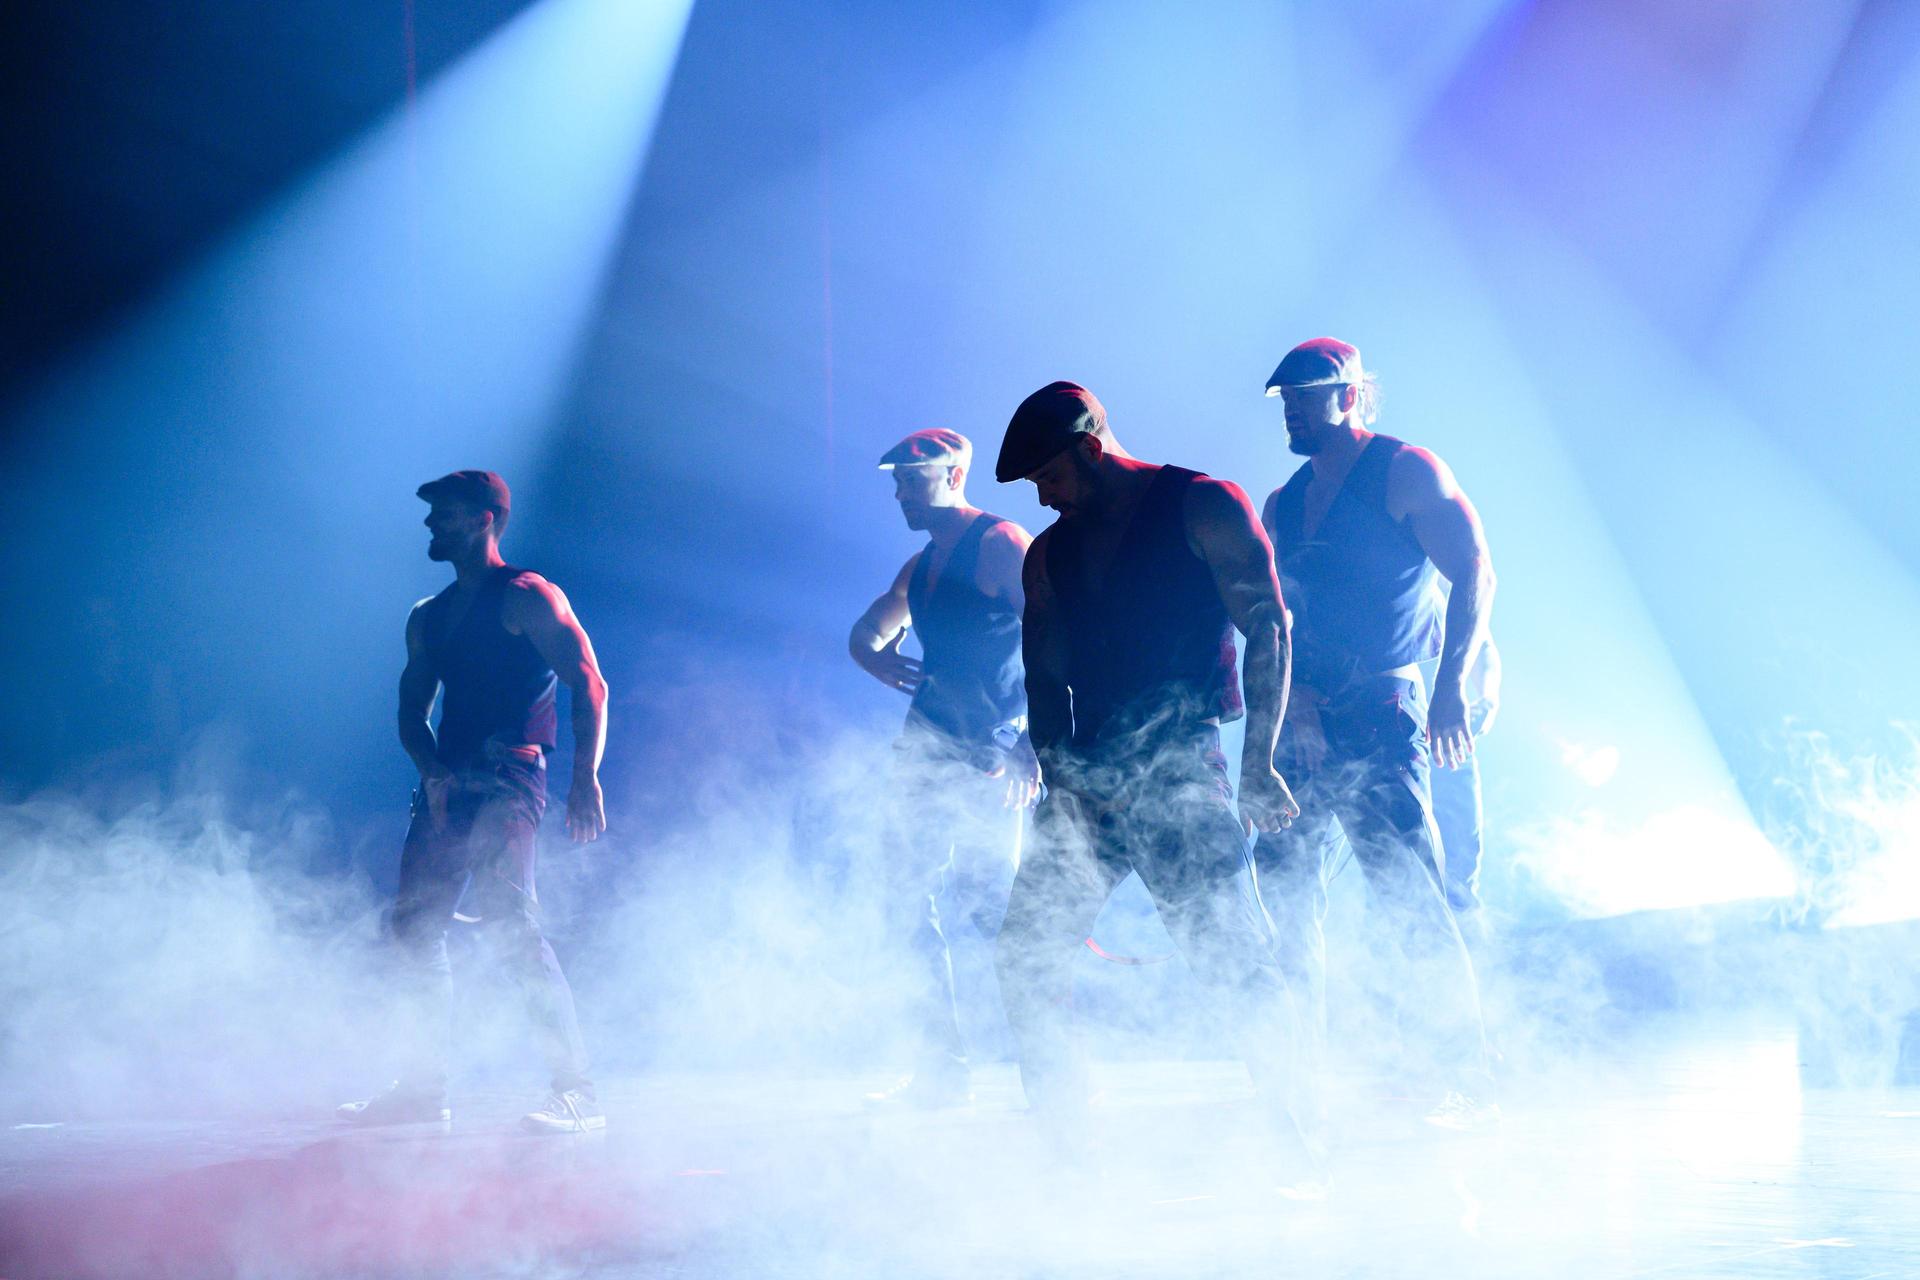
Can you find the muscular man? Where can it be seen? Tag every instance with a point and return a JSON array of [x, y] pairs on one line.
[[964, 773], [1132, 598], [1358, 533], [495, 643]]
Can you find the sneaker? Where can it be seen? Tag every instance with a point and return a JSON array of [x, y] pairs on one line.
[[1309, 1188], [567, 1111], [924, 1092], [397, 1104], [1459, 1112]]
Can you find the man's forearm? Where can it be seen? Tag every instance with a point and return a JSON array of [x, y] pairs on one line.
[[864, 641], [1468, 608], [1268, 678], [589, 727]]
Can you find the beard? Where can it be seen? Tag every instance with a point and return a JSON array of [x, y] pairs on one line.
[[915, 516], [1305, 442]]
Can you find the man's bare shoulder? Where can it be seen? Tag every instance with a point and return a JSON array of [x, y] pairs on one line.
[[531, 598], [1210, 500], [528, 580], [1005, 533], [1418, 476]]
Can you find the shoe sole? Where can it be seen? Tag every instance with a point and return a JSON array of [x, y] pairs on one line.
[[588, 1125], [359, 1121]]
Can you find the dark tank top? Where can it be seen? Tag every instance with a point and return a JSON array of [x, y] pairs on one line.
[[496, 685], [974, 687], [1154, 645], [1361, 588]]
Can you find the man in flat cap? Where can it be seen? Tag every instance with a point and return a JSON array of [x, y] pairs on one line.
[[964, 772], [493, 647], [1358, 533], [1133, 595]]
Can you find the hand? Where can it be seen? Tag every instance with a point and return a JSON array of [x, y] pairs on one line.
[[895, 669], [1265, 802], [1449, 736], [439, 783], [586, 809], [1485, 709], [1022, 772], [1308, 744]]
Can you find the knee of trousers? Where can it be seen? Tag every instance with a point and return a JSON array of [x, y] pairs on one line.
[[517, 930], [1027, 955], [415, 928]]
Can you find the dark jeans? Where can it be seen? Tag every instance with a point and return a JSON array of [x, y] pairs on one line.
[[1165, 811], [1457, 812], [958, 846], [481, 863], [1372, 787]]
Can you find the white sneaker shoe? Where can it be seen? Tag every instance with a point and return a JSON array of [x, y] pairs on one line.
[[1459, 1112], [397, 1105], [922, 1092], [568, 1111]]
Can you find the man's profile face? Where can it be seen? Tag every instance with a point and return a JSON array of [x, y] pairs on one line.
[[456, 527], [919, 490], [1069, 482], [1313, 415]]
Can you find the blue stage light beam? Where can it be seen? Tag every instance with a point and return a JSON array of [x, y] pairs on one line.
[[413, 307]]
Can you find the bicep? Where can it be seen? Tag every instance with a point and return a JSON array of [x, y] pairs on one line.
[[889, 612], [547, 620], [1041, 640], [419, 683], [1238, 554], [1441, 517], [1003, 564]]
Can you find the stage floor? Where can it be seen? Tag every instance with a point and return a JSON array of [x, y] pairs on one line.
[[1681, 1153]]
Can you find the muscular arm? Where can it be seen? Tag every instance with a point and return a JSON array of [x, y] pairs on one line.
[[1002, 566], [1222, 528], [874, 642], [1483, 686], [1003, 556], [1421, 489], [419, 686], [1043, 648], [540, 611]]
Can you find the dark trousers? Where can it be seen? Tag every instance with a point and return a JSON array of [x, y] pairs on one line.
[[958, 846], [1165, 812], [1372, 787], [480, 862]]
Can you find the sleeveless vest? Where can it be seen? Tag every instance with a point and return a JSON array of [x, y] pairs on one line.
[[495, 684], [1154, 645], [973, 686], [1360, 589]]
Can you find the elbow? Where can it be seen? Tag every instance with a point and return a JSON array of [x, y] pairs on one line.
[[1268, 621]]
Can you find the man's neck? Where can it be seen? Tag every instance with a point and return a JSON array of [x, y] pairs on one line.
[[1338, 457], [473, 570], [1123, 479], [946, 524]]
